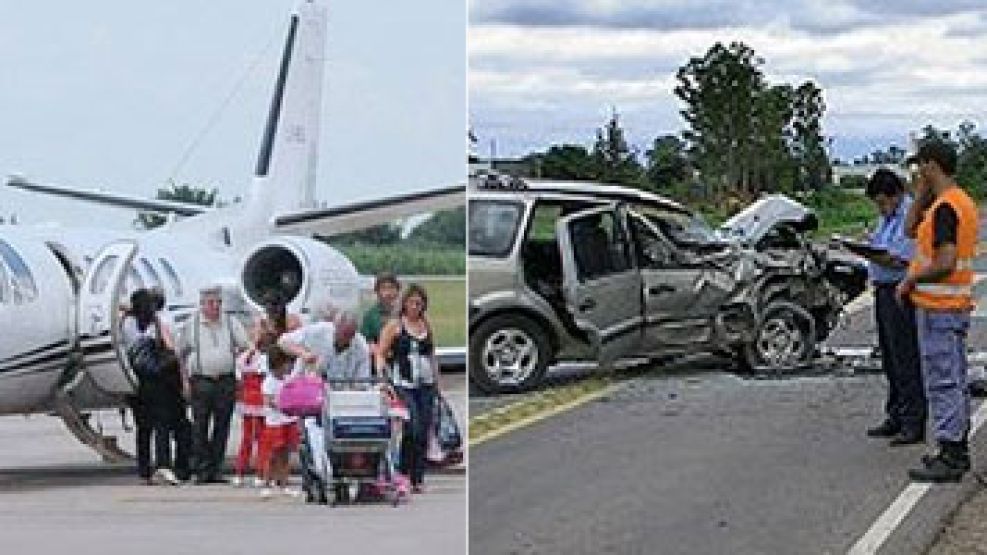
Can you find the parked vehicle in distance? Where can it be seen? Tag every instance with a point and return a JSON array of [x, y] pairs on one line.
[[568, 271]]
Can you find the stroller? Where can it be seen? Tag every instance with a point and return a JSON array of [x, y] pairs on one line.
[[351, 449]]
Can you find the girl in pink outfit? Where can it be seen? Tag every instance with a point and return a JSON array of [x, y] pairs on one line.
[[252, 368], [281, 433]]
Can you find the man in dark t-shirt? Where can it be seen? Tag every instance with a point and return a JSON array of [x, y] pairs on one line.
[[386, 287]]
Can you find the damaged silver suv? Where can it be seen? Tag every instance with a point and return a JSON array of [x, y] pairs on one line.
[[565, 271]]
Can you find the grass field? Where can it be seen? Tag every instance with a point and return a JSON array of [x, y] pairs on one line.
[[446, 307]]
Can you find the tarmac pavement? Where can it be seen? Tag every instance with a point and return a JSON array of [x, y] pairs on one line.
[[57, 497]]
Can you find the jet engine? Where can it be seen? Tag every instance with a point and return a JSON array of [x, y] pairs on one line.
[[308, 274]]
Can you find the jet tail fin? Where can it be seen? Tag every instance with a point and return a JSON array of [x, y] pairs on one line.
[[286, 165]]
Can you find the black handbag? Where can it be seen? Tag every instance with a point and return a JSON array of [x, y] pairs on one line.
[[447, 429]]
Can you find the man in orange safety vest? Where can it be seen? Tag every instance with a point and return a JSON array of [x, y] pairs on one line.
[[943, 220]]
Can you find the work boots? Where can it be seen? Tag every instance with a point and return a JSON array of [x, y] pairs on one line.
[[885, 429], [948, 465]]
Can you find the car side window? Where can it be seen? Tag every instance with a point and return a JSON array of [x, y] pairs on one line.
[[652, 251], [493, 226], [599, 246]]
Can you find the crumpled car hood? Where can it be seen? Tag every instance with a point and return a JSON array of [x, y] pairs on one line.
[[751, 224]]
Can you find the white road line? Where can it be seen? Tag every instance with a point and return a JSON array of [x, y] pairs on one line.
[[881, 530]]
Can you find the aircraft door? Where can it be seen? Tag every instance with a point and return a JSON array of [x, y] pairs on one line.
[[601, 285], [99, 318]]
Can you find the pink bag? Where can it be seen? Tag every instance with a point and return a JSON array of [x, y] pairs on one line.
[[302, 396]]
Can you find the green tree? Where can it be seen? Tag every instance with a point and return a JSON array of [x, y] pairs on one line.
[[615, 161], [771, 167], [971, 150], [384, 234], [808, 143], [971, 163], [446, 228], [720, 91], [745, 135], [896, 154], [667, 163], [570, 162], [186, 193]]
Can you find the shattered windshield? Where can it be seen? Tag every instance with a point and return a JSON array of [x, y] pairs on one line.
[[680, 227]]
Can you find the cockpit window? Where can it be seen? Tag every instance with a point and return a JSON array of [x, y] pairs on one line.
[[23, 289], [493, 226]]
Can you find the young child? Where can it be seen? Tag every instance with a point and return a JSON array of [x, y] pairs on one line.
[[251, 367], [281, 435]]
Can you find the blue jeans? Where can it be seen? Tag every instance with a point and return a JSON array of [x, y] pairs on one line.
[[414, 442], [942, 340]]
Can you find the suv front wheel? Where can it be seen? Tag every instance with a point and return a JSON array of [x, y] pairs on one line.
[[785, 339], [508, 353]]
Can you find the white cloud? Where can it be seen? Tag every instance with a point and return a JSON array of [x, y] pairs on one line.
[[877, 80]]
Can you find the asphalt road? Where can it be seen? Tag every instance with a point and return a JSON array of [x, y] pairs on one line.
[[56, 497], [708, 462]]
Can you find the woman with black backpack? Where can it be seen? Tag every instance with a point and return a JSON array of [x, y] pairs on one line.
[[159, 405]]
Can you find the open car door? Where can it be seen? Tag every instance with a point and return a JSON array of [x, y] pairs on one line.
[[99, 319], [600, 282]]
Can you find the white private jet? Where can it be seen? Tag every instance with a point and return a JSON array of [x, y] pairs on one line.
[[60, 288]]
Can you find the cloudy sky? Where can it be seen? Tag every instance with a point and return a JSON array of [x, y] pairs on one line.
[[548, 71], [113, 94]]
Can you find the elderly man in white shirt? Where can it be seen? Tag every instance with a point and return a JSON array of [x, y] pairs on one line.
[[337, 352], [208, 346], [333, 349]]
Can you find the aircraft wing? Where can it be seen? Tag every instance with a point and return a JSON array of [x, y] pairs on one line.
[[107, 198], [327, 222]]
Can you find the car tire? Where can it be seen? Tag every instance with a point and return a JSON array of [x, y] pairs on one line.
[[785, 339], [508, 354]]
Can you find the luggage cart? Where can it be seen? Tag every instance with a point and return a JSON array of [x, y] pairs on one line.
[[352, 447]]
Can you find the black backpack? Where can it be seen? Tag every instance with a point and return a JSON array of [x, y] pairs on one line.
[[148, 356], [144, 356]]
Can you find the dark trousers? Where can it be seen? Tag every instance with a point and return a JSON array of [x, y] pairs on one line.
[[171, 423], [414, 441], [159, 410], [140, 404], [897, 336], [213, 400]]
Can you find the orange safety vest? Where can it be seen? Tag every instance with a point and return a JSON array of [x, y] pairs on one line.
[[955, 291]]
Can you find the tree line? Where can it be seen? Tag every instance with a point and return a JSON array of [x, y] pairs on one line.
[[444, 229], [743, 135]]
